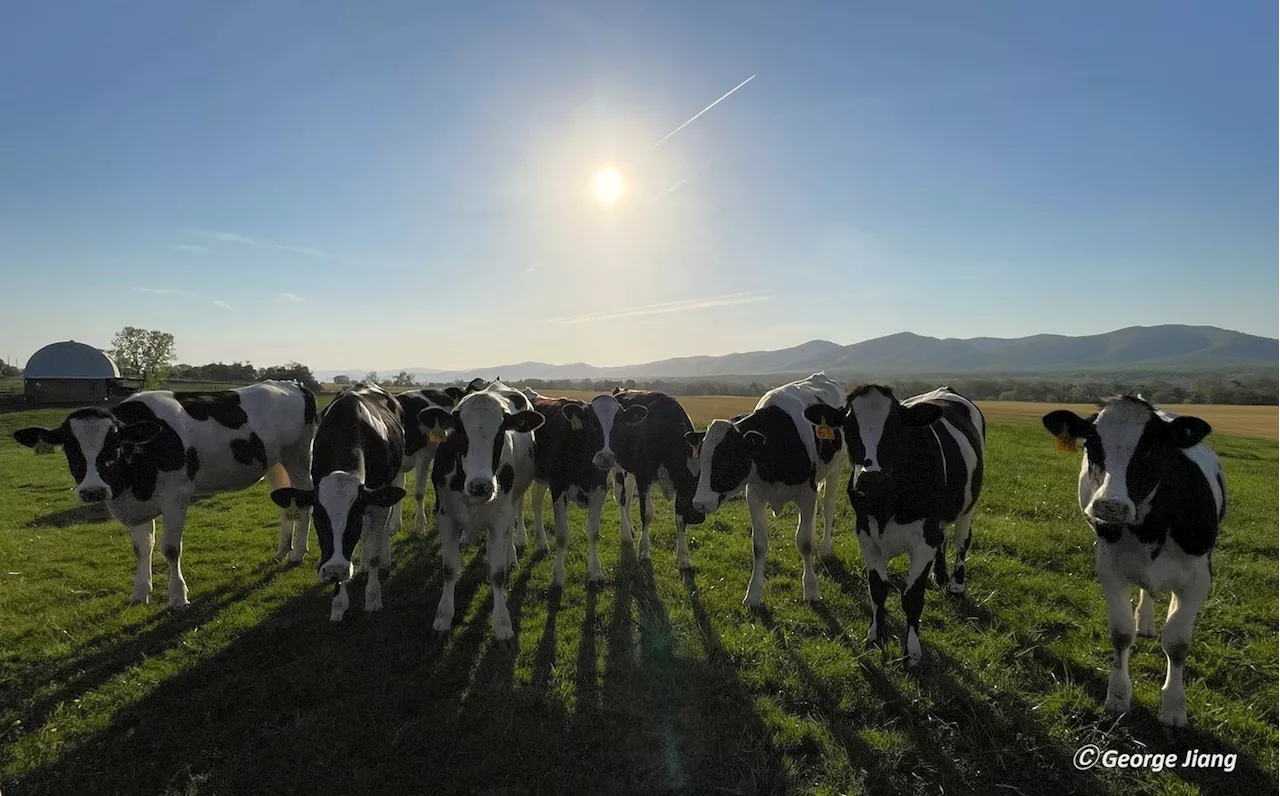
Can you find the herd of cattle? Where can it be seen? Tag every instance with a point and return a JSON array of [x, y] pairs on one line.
[[1153, 492]]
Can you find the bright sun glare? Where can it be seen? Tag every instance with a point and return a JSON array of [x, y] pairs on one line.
[[608, 185]]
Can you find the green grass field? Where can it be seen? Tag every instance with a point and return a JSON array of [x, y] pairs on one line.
[[660, 683]]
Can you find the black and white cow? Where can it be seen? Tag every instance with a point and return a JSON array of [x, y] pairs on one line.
[[644, 444], [358, 450], [566, 444], [917, 467], [1155, 495], [779, 458], [152, 455], [421, 441], [480, 474]]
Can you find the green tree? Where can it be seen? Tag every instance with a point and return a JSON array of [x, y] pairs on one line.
[[342, 378], [403, 379], [144, 354], [293, 371]]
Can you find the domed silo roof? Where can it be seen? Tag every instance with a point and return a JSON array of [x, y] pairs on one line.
[[70, 360]]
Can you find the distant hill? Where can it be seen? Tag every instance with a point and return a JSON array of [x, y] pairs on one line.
[[1135, 347]]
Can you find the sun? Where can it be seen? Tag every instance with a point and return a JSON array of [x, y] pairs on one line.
[[608, 186]]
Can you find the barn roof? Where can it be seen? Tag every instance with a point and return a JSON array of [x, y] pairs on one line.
[[70, 360]]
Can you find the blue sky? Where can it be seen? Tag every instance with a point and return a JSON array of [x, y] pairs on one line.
[[395, 184]]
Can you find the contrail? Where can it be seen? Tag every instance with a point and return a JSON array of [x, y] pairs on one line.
[[704, 110]]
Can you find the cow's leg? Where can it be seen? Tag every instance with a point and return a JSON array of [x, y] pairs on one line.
[[451, 559], [420, 465], [830, 494], [923, 553], [175, 517], [1184, 605], [963, 536], [341, 601], [144, 540], [595, 576], [1120, 618], [537, 492], [298, 468], [519, 532], [374, 552], [499, 541], [284, 541], [560, 509], [397, 511], [646, 519], [625, 529], [683, 561], [805, 544], [1144, 616], [759, 547], [877, 584]]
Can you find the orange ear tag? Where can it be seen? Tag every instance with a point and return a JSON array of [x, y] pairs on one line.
[[575, 423], [435, 436], [826, 432], [1066, 442]]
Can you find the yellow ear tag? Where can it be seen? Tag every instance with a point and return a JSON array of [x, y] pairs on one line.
[[826, 432], [43, 448], [292, 513], [436, 436], [1066, 442], [575, 423]]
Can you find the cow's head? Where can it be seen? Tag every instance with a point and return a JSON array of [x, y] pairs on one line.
[[99, 447], [873, 421], [338, 502], [480, 424], [726, 454], [612, 419], [1128, 449]]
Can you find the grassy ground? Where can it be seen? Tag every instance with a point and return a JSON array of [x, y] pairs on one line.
[[660, 683]]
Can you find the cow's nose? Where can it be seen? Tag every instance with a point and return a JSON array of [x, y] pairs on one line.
[[93, 494], [1112, 511], [703, 506], [336, 569], [480, 489], [604, 460]]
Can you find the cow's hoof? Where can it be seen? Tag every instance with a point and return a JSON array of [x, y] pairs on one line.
[[1173, 718], [442, 624], [373, 605], [179, 604], [955, 588], [142, 599], [684, 564], [1115, 704]]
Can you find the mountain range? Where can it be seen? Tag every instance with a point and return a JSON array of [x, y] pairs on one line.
[[1137, 347]]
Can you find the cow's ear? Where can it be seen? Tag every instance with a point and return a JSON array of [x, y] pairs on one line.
[[634, 414], [455, 393], [694, 438], [754, 438], [1187, 431], [386, 496], [575, 415], [523, 422], [434, 416], [35, 435], [477, 384], [921, 414], [288, 496], [1067, 426], [824, 415], [140, 432]]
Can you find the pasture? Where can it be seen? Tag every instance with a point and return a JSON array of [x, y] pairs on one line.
[[659, 683]]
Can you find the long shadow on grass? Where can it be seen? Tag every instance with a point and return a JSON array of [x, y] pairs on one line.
[[112, 655], [1140, 728]]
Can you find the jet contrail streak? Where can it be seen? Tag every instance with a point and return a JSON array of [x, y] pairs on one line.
[[704, 110]]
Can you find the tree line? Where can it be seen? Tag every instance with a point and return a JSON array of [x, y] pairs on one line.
[[1257, 390]]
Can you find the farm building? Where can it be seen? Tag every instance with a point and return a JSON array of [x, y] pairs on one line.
[[69, 372]]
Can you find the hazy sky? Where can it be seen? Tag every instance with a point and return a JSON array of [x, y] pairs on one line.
[[394, 184]]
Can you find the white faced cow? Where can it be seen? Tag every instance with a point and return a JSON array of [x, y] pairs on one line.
[[1155, 495], [643, 434], [153, 454], [917, 467], [420, 443], [357, 454], [481, 472], [779, 458]]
